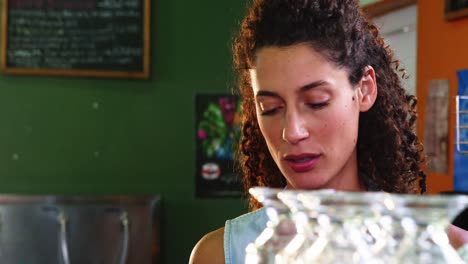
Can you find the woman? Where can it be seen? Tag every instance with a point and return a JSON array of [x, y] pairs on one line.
[[323, 107]]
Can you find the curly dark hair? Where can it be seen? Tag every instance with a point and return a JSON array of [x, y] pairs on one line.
[[390, 154]]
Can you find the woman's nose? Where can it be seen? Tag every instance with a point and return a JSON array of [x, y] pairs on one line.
[[294, 129]]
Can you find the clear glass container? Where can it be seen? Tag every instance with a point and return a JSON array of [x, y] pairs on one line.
[[279, 230], [308, 230], [425, 219], [334, 227], [349, 227]]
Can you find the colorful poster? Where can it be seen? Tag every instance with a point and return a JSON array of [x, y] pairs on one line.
[[461, 150], [217, 129]]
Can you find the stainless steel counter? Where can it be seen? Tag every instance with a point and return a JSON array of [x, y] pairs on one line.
[[79, 229]]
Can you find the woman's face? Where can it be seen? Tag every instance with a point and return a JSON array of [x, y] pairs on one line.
[[308, 113]]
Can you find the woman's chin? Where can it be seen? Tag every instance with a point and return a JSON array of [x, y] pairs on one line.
[[307, 183]]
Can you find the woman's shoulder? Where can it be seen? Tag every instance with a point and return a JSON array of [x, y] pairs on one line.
[[209, 249], [244, 228]]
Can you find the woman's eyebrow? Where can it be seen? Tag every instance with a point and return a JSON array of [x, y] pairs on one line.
[[312, 85], [303, 89], [266, 93]]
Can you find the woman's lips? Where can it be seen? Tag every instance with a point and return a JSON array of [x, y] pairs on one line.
[[302, 162]]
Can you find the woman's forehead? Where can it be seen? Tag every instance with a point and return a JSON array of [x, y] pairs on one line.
[[293, 66]]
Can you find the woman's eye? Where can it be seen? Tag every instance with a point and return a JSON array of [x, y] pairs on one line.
[[268, 108], [318, 105], [267, 112]]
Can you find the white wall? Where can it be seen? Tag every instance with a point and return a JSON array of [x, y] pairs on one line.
[[399, 30]]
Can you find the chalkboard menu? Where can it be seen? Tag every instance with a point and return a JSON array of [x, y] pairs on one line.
[[101, 38]]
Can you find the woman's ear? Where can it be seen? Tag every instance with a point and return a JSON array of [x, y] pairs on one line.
[[367, 90]]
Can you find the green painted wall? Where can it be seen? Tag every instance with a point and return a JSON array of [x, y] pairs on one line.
[[62, 135]]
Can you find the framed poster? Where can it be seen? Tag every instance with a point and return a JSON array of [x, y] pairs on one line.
[[217, 127], [436, 126], [380, 8], [455, 9]]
